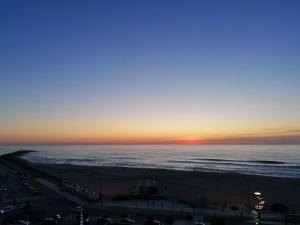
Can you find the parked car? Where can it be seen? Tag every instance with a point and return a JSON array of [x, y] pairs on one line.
[[3, 189], [48, 221], [86, 218], [151, 221], [104, 220], [127, 221], [7, 209], [234, 208], [27, 205], [77, 209], [199, 223], [22, 222], [58, 217]]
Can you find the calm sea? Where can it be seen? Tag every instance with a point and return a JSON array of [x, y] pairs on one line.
[[267, 160]]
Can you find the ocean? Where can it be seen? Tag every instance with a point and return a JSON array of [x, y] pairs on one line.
[[266, 160]]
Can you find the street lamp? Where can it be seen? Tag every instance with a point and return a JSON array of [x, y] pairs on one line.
[[260, 202]]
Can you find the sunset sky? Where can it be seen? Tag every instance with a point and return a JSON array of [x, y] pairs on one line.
[[188, 72]]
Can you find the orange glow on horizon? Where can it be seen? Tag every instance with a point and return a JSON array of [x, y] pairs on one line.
[[135, 133], [220, 139]]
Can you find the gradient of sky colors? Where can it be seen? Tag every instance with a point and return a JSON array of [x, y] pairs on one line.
[[150, 71]]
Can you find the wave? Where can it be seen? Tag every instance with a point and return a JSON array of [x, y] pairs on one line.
[[254, 160], [266, 161], [243, 161]]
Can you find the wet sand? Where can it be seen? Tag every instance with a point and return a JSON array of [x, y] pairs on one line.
[[189, 186]]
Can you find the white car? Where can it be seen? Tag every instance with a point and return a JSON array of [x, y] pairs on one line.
[[127, 221], [199, 223], [3, 189], [7, 209], [23, 222]]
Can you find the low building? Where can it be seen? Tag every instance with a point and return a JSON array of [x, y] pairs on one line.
[[147, 187]]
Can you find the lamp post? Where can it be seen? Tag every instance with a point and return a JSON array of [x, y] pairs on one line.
[[81, 219], [259, 206]]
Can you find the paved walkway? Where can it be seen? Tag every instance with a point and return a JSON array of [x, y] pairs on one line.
[[167, 205], [71, 197]]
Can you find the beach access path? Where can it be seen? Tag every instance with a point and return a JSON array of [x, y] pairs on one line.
[[52, 186]]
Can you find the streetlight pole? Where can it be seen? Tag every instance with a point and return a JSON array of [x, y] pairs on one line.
[[259, 206], [248, 194]]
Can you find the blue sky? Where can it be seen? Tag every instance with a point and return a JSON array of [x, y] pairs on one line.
[[136, 64]]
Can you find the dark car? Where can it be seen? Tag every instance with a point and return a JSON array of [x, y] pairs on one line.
[[3, 189], [77, 209], [48, 221], [58, 217], [152, 221], [126, 221], [199, 223], [27, 205], [7, 209], [22, 222], [104, 220]]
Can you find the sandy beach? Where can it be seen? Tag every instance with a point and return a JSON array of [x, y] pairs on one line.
[[181, 193], [189, 186]]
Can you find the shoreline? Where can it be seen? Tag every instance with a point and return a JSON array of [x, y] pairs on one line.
[[201, 169], [213, 188]]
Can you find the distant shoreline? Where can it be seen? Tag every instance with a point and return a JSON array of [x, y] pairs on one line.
[[186, 185], [18, 153], [190, 165]]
